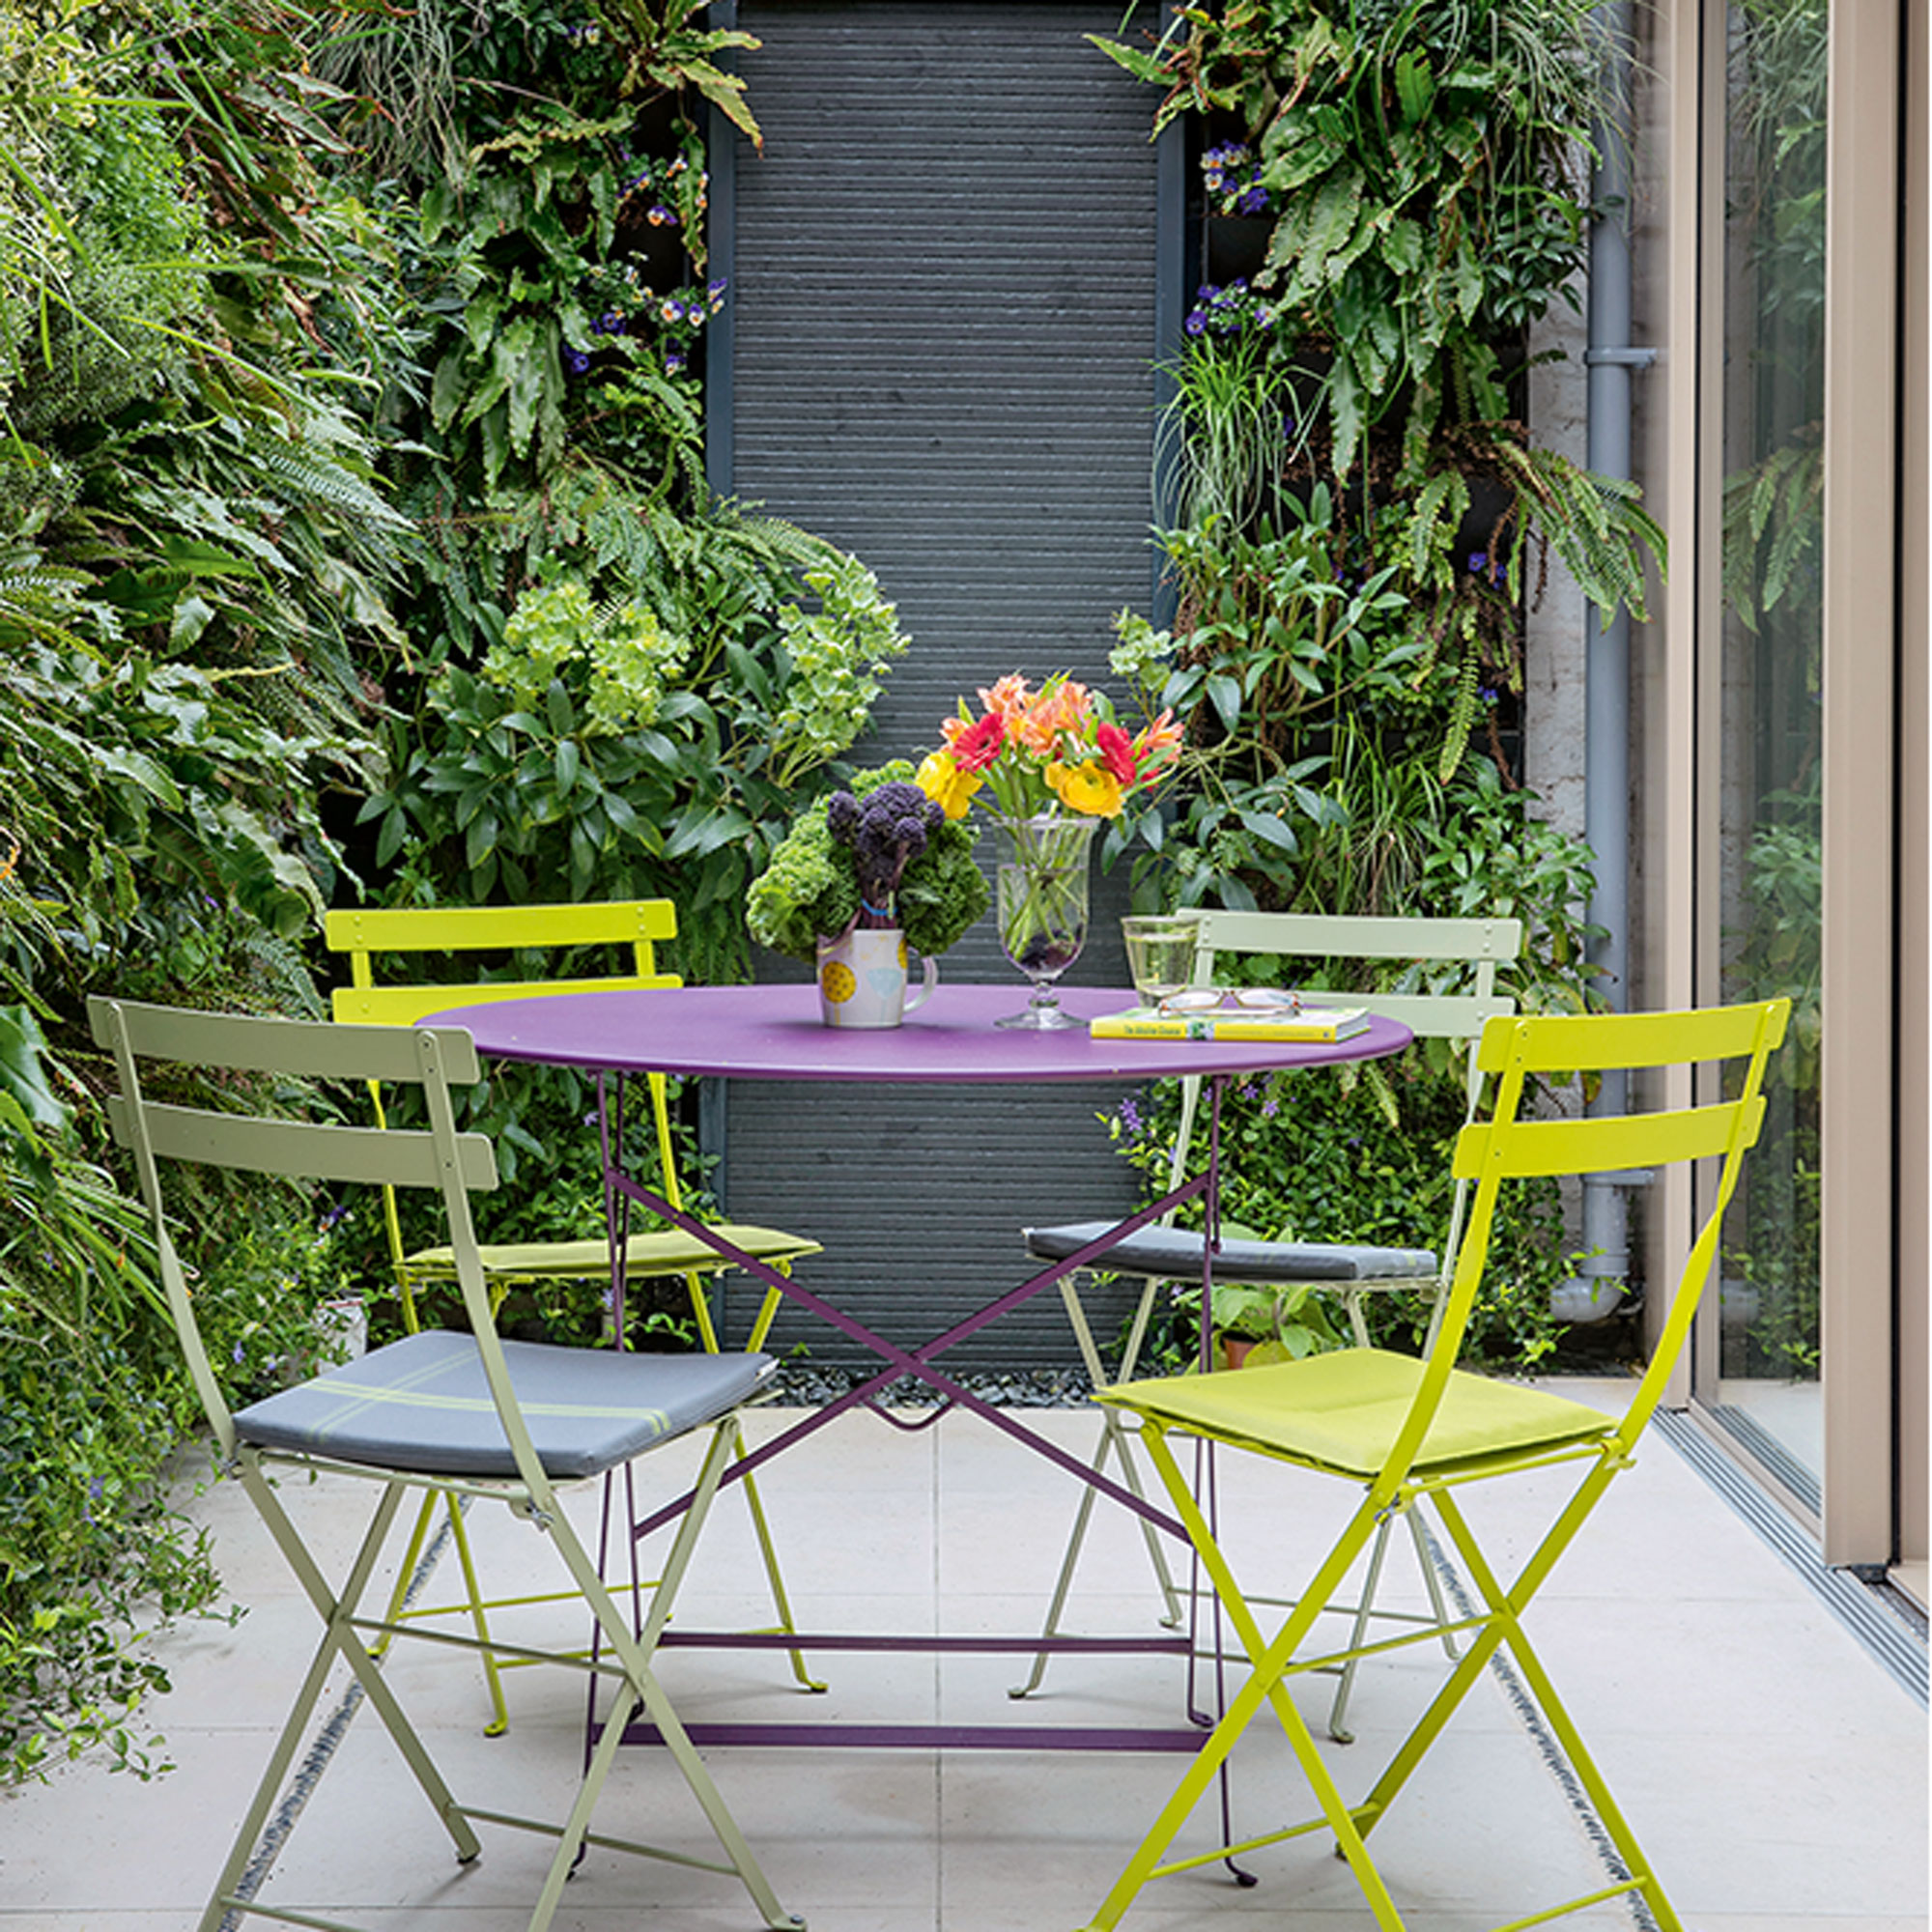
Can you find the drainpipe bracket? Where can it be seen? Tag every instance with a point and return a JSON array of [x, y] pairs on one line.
[[1619, 359]]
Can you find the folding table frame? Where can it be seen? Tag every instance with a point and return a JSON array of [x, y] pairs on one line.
[[775, 1033]]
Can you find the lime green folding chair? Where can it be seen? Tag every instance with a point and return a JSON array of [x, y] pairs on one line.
[[464, 1417], [1411, 1433], [638, 925], [1445, 987]]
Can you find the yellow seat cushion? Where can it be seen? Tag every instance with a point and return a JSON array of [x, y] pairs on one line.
[[1342, 1412], [667, 1251]]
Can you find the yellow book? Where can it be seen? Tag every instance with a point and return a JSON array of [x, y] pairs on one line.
[[1311, 1023]]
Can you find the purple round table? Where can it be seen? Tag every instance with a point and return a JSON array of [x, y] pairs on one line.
[[775, 1033]]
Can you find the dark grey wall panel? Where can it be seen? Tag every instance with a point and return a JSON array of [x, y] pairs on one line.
[[919, 1200], [942, 340]]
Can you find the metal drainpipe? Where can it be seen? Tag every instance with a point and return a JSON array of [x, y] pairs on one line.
[[1609, 359]]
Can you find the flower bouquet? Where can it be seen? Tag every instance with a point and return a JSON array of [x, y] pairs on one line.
[[1048, 764]]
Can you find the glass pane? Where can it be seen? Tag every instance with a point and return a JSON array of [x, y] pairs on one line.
[[1773, 415]]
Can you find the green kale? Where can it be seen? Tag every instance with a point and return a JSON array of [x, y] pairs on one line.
[[811, 886]]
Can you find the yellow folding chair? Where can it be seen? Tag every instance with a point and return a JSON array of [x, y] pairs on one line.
[[1446, 990], [636, 925], [464, 1417], [1414, 1432]]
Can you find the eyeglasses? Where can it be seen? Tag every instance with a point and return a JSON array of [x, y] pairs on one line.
[[1241, 999]]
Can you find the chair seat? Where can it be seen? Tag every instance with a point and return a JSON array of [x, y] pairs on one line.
[[1341, 1413], [667, 1251], [422, 1405], [1175, 1254]]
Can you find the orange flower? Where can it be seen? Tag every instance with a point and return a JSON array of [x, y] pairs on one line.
[[1059, 707], [1009, 697], [1158, 741], [1072, 708]]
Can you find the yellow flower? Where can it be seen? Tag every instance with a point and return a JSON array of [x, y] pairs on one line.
[[1089, 789], [941, 779]]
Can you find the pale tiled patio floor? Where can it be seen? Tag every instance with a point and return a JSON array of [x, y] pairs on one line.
[[1774, 1769]]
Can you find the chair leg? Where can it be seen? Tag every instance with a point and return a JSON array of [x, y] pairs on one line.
[[254, 1820], [336, 1612], [1365, 1610], [396, 1612], [780, 1601], [1115, 1439], [633, 1650], [1265, 1683], [1432, 1583], [338, 1640], [1504, 1631], [1358, 1635], [760, 1524], [761, 1527]]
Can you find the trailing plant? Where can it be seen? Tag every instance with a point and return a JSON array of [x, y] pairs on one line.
[[91, 1554], [555, 249], [195, 561], [1421, 170], [1424, 161]]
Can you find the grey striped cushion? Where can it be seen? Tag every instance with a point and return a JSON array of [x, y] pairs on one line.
[[1173, 1254], [421, 1404]]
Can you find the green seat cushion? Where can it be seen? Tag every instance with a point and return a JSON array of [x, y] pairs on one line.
[[1174, 1254], [1342, 1412], [667, 1251], [422, 1405]]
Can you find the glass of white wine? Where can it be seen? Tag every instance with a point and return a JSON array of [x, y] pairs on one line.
[[1160, 953]]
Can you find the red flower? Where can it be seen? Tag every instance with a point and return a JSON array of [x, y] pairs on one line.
[[1116, 753], [974, 747]]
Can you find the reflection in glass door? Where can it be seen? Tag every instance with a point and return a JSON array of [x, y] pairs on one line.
[[1770, 872]]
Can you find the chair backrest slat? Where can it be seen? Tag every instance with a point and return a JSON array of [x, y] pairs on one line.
[[1601, 1145], [636, 924], [308, 1150], [440, 1158], [1508, 1146], [499, 928], [1561, 1043], [1434, 1015], [312, 1049], [1349, 936]]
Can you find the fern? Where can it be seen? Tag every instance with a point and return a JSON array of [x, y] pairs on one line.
[[1463, 710], [321, 481]]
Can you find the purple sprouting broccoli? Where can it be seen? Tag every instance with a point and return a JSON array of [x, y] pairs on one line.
[[887, 831]]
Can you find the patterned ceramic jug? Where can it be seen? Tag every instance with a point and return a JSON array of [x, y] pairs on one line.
[[861, 978]]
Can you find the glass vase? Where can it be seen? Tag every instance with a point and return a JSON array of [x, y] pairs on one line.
[[1040, 903]]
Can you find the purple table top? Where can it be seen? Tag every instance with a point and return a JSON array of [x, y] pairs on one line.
[[774, 1033]]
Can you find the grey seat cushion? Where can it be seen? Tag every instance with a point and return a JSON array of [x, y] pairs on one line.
[[422, 1405], [1174, 1254]]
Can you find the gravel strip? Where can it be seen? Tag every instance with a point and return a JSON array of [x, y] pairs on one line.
[[803, 1385]]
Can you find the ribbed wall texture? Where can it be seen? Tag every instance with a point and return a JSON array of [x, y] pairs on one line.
[[942, 322]]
